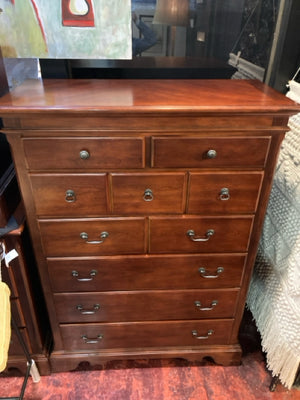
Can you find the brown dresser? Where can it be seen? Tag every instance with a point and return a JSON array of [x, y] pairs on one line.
[[145, 201], [27, 304]]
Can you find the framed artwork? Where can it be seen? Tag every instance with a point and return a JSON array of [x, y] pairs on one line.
[[66, 29]]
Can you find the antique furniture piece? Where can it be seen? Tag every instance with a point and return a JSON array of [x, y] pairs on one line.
[[145, 202], [27, 306], [22, 276]]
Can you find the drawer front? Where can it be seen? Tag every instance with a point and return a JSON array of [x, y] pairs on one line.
[[145, 305], [146, 273], [187, 152], [83, 153], [193, 235], [58, 195], [93, 236], [148, 193], [224, 192], [145, 334]]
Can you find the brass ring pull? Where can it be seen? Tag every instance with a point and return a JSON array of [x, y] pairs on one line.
[[199, 305], [209, 333], [92, 340], [224, 194], [85, 237], [84, 155], [93, 273], [211, 154], [202, 272], [95, 308], [70, 196], [148, 195], [191, 234]]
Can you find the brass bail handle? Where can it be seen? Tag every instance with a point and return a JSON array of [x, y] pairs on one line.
[[85, 236], [91, 311], [206, 275], [199, 305], [194, 238], [196, 336], [92, 274], [95, 340]]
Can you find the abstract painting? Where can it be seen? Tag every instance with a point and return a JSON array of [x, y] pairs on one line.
[[92, 29]]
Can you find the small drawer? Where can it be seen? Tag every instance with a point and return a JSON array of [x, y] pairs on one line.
[[145, 334], [224, 192], [150, 305], [146, 272], [190, 152], [148, 193], [57, 195], [199, 235], [92, 237], [84, 153]]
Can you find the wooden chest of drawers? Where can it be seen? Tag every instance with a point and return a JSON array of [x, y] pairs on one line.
[[26, 298], [145, 201]]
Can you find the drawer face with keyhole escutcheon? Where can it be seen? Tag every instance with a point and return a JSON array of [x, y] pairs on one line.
[[224, 192], [146, 193]]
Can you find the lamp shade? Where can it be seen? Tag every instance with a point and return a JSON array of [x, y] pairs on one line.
[[172, 12]]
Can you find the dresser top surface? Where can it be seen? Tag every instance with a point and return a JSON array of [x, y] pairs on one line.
[[86, 95]]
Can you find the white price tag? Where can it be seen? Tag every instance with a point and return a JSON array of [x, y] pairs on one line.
[[2, 251], [10, 256]]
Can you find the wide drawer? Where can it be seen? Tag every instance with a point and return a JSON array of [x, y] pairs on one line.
[[82, 153], [145, 305], [199, 234], [224, 192], [78, 337], [146, 193], [190, 152], [146, 272], [93, 236], [58, 195]]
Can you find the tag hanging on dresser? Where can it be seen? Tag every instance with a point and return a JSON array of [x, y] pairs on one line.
[[294, 87], [5, 316]]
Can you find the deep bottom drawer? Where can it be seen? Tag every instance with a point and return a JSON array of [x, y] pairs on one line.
[[145, 334]]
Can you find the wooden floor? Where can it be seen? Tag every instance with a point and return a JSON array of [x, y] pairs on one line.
[[156, 380]]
